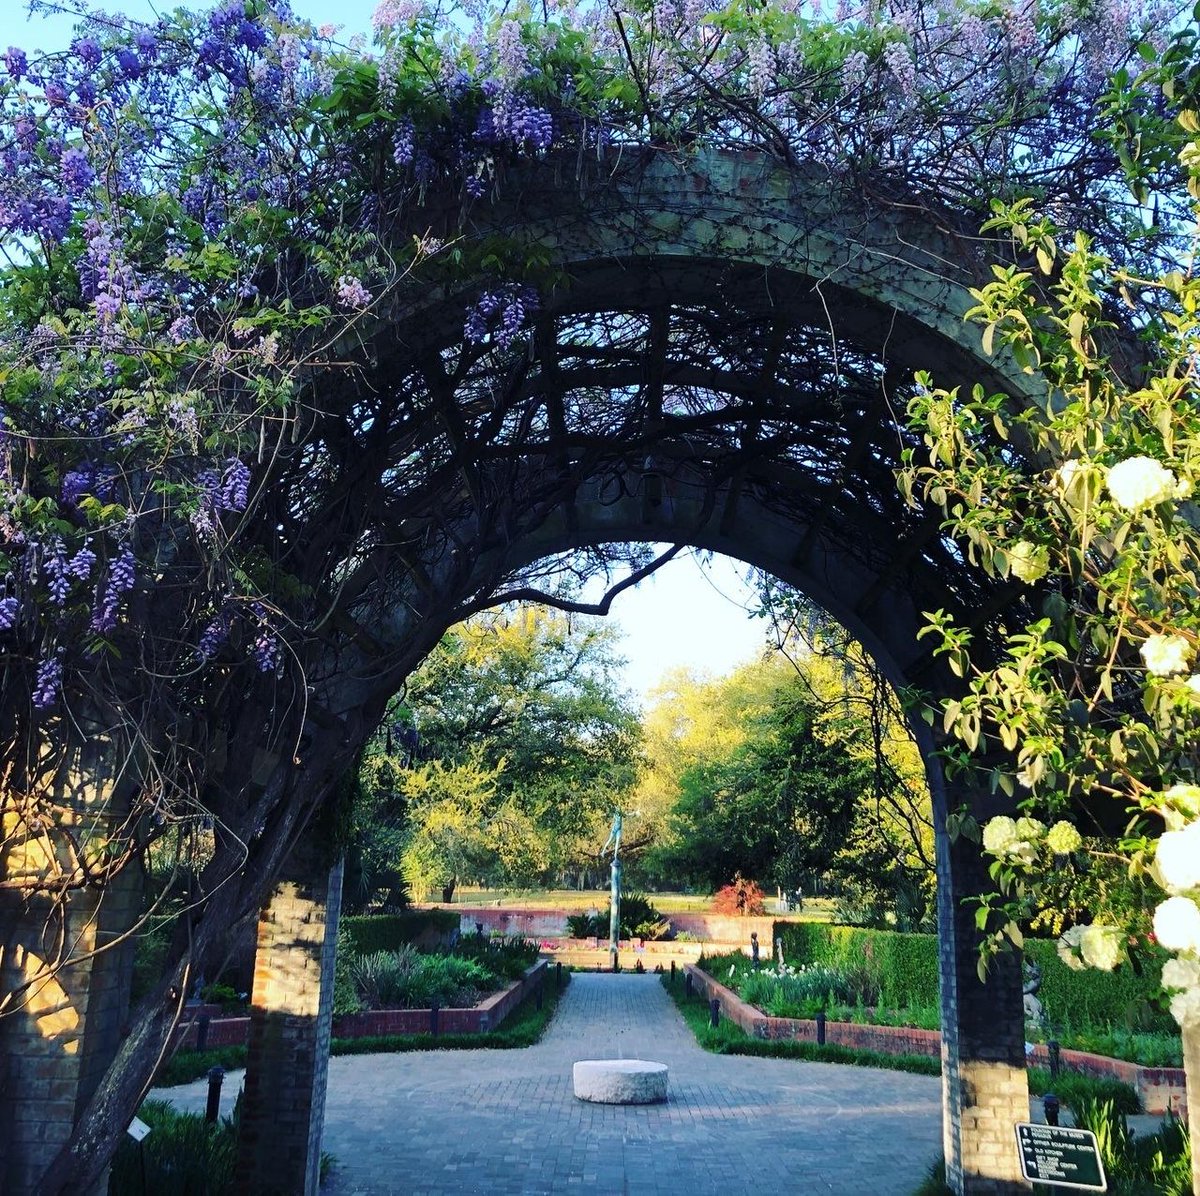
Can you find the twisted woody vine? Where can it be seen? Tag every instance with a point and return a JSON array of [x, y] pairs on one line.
[[209, 215]]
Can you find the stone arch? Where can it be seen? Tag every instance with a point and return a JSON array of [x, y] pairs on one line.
[[724, 346], [781, 456]]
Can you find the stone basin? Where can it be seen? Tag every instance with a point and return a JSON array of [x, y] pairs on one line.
[[620, 1081]]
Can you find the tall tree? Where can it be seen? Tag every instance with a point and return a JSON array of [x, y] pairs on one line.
[[529, 742]]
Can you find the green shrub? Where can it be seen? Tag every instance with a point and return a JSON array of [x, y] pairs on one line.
[[389, 932], [639, 920], [1074, 1088], [1161, 1163], [584, 926], [510, 958], [182, 1153], [407, 979]]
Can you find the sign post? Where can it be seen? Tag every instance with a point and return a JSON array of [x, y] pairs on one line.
[[1059, 1155]]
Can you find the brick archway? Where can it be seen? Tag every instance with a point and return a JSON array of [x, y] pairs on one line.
[[721, 357]]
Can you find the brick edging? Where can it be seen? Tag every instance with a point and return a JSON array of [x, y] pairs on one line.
[[1159, 1089], [490, 1015]]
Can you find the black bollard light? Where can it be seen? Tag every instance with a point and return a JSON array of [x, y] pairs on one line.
[[433, 1019], [687, 984], [213, 1109], [1050, 1106], [202, 1032], [820, 1027], [714, 1012], [1055, 1058], [558, 975], [672, 973]]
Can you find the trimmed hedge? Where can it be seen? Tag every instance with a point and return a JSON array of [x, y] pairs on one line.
[[1100, 998], [906, 966], [370, 933]]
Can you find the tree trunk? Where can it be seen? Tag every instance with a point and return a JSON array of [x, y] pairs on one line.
[[98, 1131], [448, 891]]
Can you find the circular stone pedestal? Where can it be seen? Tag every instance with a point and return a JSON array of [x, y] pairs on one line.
[[620, 1081]]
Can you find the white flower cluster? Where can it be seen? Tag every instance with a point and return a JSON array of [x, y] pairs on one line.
[[1096, 946], [1181, 978], [1164, 655], [1020, 839], [1028, 562], [1142, 482], [1177, 919]]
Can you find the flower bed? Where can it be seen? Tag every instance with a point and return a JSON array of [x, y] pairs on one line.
[[1159, 1089], [487, 1015]]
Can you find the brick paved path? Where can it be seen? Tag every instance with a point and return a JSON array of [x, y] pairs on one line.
[[505, 1123]]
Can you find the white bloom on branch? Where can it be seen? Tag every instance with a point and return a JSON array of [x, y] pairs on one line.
[[1177, 857], [1180, 973], [1164, 655], [1062, 838], [1181, 805], [1028, 562], [1102, 947], [1068, 948], [1193, 683], [1185, 1007], [1142, 482], [1177, 924], [1071, 482], [1030, 829], [999, 835]]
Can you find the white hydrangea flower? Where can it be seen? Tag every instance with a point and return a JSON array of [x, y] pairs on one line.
[[1193, 683], [1181, 805], [1070, 482], [1102, 947], [1028, 562], [1030, 829], [1178, 858], [1177, 924], [1185, 1007], [1062, 838], [1142, 482], [999, 835], [1068, 948], [1166, 654], [1180, 973]]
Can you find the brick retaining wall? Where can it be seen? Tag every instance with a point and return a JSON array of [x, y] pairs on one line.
[[233, 1031], [1159, 1089]]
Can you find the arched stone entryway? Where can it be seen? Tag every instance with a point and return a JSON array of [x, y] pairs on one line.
[[726, 368], [721, 357]]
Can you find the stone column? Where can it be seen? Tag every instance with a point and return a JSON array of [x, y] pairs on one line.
[[64, 964], [287, 1065], [984, 1087]]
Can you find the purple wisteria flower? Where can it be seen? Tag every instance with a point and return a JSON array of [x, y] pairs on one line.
[[9, 609], [48, 682], [351, 292]]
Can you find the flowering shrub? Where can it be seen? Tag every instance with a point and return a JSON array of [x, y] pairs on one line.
[[1092, 704]]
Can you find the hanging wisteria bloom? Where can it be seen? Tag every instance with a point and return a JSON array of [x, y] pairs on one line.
[[351, 292]]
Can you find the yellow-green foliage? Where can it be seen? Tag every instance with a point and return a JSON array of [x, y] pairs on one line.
[[390, 932], [906, 966]]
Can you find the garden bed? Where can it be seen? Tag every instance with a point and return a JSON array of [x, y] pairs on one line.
[[370, 1023], [1160, 1090]]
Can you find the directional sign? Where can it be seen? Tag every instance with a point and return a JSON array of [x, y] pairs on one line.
[[1056, 1154]]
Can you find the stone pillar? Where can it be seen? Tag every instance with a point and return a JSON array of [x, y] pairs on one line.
[[65, 966], [287, 1065], [984, 1087]]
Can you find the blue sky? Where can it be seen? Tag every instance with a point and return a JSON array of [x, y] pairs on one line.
[[684, 615]]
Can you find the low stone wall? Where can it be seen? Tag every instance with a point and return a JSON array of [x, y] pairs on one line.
[[1161, 1090], [552, 924], [234, 1031]]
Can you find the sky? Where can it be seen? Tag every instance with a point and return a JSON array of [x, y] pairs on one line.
[[686, 614]]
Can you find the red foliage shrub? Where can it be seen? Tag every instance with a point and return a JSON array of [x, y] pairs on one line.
[[742, 898]]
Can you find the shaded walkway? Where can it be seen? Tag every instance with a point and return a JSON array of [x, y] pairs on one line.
[[506, 1122]]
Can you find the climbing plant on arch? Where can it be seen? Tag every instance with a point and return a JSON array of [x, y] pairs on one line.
[[309, 351]]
